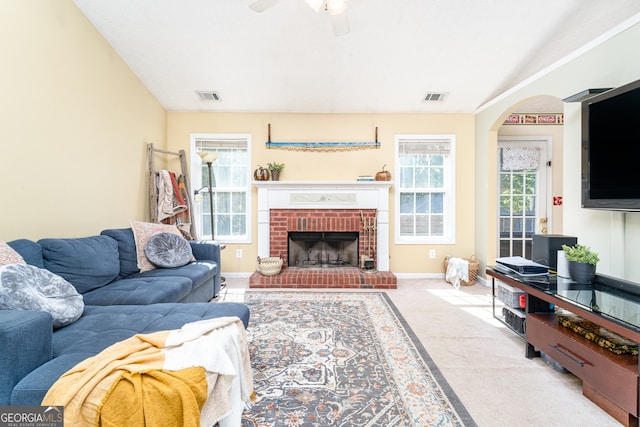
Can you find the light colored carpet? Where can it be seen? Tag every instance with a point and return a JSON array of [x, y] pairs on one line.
[[342, 359], [481, 359]]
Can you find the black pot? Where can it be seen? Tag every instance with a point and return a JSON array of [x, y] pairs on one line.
[[582, 272]]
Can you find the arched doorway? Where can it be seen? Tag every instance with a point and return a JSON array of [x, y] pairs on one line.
[[528, 178]]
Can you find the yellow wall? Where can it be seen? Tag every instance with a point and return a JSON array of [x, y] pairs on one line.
[[75, 123], [321, 166]]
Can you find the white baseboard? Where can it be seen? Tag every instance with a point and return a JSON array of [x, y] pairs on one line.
[[419, 275], [237, 275]]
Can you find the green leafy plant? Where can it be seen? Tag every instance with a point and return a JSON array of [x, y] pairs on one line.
[[580, 253], [275, 166]]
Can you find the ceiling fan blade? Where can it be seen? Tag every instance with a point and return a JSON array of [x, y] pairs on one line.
[[262, 5], [340, 23]]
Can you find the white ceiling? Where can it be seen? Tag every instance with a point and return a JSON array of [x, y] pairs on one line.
[[287, 59]]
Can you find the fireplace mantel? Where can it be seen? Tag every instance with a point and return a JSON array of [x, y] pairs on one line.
[[325, 195], [323, 184]]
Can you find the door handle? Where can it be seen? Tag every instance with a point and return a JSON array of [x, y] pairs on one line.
[[543, 225]]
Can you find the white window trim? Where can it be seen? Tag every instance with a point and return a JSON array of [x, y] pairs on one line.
[[449, 237], [196, 181]]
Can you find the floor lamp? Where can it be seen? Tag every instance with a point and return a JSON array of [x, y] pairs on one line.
[[209, 157]]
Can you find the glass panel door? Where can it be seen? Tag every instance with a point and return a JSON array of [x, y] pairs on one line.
[[521, 200]]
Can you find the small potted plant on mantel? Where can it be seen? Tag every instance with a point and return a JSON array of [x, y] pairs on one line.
[[582, 262], [275, 169]]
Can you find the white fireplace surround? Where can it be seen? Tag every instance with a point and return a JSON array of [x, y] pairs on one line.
[[325, 195]]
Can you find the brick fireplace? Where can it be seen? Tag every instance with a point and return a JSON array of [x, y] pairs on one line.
[[287, 207], [285, 221]]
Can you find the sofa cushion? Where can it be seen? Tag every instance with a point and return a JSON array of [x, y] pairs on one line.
[[8, 255], [100, 327], [30, 251], [140, 290], [126, 250], [142, 232], [168, 250], [86, 262], [198, 272], [26, 287]]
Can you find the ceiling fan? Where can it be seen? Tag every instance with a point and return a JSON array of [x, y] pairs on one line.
[[337, 10]]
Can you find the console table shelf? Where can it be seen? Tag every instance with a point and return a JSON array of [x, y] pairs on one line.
[[608, 379]]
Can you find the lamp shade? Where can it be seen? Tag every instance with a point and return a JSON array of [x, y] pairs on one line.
[[208, 156]]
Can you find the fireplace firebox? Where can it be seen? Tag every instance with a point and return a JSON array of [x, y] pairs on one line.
[[323, 249]]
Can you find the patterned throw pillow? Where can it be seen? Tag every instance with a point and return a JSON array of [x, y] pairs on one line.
[[26, 287], [168, 250], [8, 255], [142, 232]]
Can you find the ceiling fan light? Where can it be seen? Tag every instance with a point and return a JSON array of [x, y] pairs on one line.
[[315, 4], [336, 7]]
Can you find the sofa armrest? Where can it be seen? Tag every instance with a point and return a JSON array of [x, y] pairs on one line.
[[209, 250], [206, 250], [25, 340]]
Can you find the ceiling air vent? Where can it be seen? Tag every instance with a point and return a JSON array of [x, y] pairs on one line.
[[208, 96], [435, 96]]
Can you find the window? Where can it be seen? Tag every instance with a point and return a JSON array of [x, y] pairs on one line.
[[425, 189], [231, 187]]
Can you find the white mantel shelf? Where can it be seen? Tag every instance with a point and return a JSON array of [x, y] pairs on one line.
[[325, 195], [324, 185]]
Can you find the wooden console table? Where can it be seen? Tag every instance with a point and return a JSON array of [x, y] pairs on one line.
[[608, 379]]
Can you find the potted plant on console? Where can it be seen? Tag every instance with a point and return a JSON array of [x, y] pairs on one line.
[[582, 262], [275, 169]]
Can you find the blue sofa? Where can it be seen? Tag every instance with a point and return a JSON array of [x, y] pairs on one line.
[[120, 301]]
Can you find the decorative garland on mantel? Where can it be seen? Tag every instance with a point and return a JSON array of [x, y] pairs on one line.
[[320, 146], [535, 119]]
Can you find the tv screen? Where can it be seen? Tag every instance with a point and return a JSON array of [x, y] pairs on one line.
[[611, 149]]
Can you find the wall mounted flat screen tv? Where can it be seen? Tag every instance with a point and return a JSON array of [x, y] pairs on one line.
[[611, 149]]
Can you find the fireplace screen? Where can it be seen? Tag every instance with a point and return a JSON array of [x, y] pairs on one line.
[[323, 249]]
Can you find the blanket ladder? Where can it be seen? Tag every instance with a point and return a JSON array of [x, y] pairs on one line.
[[153, 191]]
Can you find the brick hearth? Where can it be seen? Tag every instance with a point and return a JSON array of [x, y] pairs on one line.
[[341, 277]]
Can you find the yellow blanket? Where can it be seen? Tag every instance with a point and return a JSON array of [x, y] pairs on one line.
[[197, 375]]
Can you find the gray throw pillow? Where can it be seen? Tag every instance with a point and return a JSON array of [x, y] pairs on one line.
[[168, 250], [26, 287]]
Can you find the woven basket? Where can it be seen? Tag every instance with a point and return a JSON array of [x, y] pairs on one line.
[[269, 266], [473, 269]]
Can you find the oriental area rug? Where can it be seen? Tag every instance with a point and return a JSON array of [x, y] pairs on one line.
[[342, 359]]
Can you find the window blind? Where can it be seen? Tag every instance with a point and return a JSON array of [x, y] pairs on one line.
[[427, 146]]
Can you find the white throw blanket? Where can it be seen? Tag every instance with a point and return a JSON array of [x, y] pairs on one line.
[[457, 270]]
